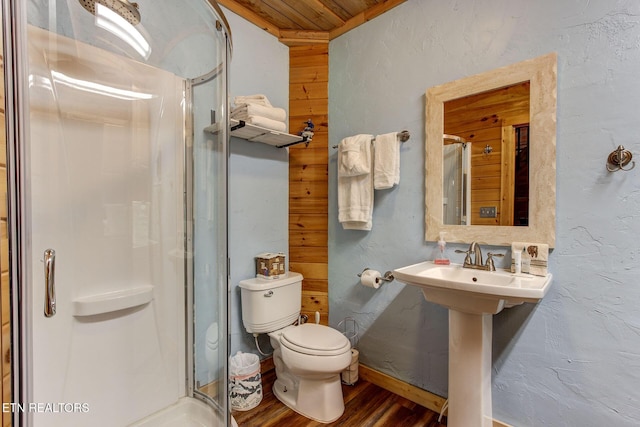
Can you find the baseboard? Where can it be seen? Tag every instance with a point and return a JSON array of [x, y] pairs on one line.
[[410, 392], [267, 364], [406, 390]]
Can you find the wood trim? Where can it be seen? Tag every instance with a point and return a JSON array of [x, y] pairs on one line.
[[327, 11], [308, 179], [401, 388], [250, 16], [291, 37], [410, 392], [303, 37], [267, 364], [507, 187], [364, 16]]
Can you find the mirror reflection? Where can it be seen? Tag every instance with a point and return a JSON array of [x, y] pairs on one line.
[[499, 188], [486, 158]]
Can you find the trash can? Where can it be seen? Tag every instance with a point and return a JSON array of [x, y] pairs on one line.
[[245, 381]]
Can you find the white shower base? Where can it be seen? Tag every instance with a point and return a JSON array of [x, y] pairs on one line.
[[186, 412]]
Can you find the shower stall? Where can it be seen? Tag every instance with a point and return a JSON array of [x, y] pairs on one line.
[[117, 161], [456, 182]]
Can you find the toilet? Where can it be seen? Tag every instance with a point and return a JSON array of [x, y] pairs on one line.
[[308, 358]]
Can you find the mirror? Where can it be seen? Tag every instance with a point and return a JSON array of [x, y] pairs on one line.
[[486, 158], [539, 77]]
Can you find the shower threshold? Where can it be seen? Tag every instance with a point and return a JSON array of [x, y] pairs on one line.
[[186, 412]]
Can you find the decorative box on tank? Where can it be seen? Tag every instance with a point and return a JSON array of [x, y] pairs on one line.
[[270, 265]]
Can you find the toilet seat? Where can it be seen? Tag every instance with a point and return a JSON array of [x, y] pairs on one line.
[[315, 340]]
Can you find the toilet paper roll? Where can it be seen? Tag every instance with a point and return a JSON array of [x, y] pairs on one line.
[[354, 356], [370, 278]]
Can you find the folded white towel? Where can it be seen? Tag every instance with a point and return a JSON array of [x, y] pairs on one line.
[[252, 99], [386, 158], [242, 111], [355, 195], [354, 155], [266, 123]]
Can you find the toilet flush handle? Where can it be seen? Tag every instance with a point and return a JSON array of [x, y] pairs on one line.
[[268, 294]]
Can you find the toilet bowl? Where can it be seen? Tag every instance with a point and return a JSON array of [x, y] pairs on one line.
[[308, 360], [211, 351]]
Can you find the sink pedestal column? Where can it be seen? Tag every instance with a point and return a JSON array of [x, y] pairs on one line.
[[469, 369]]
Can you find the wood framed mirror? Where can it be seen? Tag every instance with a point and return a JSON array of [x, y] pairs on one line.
[[496, 219]]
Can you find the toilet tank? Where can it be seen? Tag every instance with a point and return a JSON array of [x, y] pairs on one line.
[[270, 304]]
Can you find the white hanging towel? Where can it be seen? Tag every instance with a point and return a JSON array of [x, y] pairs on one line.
[[354, 155], [386, 172], [355, 183]]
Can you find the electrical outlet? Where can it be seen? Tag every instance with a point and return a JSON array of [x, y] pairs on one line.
[[488, 212]]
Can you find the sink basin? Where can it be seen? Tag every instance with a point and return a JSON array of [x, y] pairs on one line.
[[473, 291]]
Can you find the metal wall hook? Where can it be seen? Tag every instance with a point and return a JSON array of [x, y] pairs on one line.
[[619, 158]]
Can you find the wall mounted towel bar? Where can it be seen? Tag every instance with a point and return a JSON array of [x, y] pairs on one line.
[[403, 136]]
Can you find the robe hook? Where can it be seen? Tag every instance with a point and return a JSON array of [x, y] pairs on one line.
[[619, 158]]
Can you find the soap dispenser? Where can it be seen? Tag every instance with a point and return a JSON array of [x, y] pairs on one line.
[[441, 258]]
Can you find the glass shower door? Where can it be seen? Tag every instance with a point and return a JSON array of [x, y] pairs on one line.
[[122, 214], [208, 237], [106, 183]]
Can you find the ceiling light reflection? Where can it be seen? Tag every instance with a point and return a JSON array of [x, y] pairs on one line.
[[118, 26], [98, 88]]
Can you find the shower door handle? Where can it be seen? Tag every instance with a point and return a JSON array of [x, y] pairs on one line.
[[49, 282]]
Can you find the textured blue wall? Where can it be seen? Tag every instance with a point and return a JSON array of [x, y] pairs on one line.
[[573, 359], [258, 173]]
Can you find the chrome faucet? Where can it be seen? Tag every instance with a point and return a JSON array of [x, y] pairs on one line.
[[477, 264]]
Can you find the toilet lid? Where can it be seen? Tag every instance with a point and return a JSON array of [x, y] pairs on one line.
[[319, 340]]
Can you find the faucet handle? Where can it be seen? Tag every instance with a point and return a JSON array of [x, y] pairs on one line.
[[490, 265], [467, 258]]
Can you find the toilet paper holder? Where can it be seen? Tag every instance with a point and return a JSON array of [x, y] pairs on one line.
[[387, 277]]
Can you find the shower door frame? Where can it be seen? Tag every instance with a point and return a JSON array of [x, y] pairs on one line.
[[189, 169], [14, 38]]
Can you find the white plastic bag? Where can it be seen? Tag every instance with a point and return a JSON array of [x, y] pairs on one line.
[[245, 381]]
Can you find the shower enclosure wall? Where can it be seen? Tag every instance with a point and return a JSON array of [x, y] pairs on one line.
[[118, 212]]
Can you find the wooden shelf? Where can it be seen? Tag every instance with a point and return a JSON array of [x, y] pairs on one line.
[[254, 133]]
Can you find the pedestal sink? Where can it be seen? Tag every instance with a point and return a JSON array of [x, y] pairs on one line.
[[472, 297]]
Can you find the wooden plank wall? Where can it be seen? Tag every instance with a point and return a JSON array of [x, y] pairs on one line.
[[5, 342], [488, 118], [308, 176]]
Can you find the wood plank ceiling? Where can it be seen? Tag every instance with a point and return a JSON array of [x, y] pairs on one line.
[[297, 22]]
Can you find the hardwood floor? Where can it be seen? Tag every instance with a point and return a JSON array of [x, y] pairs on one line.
[[366, 405]]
